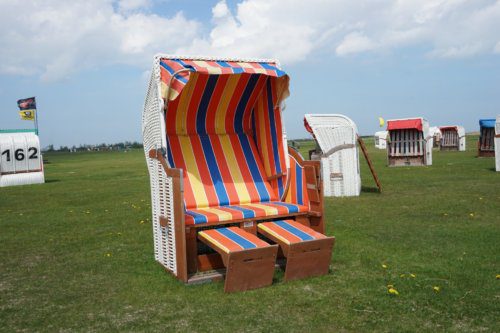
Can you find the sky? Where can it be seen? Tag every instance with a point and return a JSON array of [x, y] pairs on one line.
[[88, 62]]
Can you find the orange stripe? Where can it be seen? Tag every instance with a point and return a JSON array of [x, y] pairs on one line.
[[202, 166], [245, 170], [214, 103], [176, 150], [306, 229], [224, 170], [194, 104], [279, 232], [249, 237], [235, 99]]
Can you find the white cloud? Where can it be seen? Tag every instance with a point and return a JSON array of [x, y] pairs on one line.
[[298, 29], [54, 38], [57, 38], [355, 42], [128, 5]]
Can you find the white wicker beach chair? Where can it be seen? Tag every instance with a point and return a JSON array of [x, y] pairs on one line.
[[336, 135], [21, 160], [217, 157]]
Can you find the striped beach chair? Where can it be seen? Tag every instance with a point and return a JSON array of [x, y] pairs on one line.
[[409, 142], [217, 156]]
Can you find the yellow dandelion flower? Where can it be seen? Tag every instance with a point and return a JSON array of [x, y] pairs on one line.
[[436, 289], [498, 276], [384, 266], [413, 275], [108, 254], [393, 291], [471, 214], [402, 275], [142, 222]]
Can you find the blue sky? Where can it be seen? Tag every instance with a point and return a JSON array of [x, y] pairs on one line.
[[88, 63]]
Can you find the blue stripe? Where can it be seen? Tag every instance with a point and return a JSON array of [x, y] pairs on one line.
[[236, 238], [278, 71], [171, 71], [247, 213], [281, 188], [198, 218], [298, 172], [297, 232], [272, 123], [213, 168], [254, 128], [236, 70], [253, 167], [201, 114], [242, 104], [223, 64], [291, 207], [169, 154]]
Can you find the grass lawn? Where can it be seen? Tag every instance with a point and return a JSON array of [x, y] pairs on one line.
[[76, 254]]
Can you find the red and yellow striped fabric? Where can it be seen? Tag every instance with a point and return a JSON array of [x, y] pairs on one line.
[[224, 130], [239, 212], [232, 239], [186, 67], [219, 170], [268, 136], [289, 231], [297, 191]]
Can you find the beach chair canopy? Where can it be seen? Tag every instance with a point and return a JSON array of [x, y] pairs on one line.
[[224, 130], [487, 123], [415, 123]]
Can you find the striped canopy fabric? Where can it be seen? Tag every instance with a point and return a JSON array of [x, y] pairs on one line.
[[224, 130]]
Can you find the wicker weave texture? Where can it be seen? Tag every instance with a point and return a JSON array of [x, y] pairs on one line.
[[340, 169], [21, 161], [161, 185]]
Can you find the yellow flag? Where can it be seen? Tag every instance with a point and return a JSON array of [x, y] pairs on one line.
[[27, 114], [381, 121]]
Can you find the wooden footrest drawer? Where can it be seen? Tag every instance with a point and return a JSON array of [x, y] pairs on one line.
[[308, 253], [249, 260]]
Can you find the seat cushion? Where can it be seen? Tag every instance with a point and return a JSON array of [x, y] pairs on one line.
[[232, 239], [289, 231], [238, 212]]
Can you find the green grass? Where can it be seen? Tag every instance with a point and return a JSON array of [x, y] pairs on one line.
[[76, 257]]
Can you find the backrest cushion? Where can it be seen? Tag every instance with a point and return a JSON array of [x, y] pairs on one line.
[[219, 169]]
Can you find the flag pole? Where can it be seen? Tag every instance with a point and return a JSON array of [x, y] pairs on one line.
[[36, 121]]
